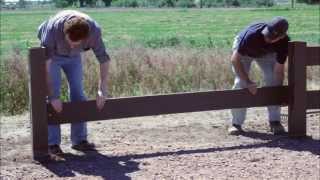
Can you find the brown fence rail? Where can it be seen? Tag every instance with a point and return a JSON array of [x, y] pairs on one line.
[[167, 104], [295, 96]]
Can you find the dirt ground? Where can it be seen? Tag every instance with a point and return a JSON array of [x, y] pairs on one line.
[[182, 146]]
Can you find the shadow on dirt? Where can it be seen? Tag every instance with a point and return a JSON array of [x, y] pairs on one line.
[[283, 142], [117, 167], [92, 164]]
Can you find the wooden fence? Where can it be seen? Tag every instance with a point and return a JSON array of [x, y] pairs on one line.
[[295, 96]]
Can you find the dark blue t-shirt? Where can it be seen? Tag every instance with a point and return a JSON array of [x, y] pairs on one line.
[[251, 43]]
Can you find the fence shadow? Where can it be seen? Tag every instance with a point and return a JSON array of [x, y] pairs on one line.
[[283, 142]]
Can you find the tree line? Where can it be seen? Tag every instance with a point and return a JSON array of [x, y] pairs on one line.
[[159, 3], [164, 3]]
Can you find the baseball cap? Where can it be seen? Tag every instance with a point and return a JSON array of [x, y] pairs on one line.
[[277, 27]]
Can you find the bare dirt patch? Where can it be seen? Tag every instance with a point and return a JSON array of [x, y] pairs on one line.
[[182, 146]]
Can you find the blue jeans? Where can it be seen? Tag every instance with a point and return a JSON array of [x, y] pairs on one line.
[[72, 67]]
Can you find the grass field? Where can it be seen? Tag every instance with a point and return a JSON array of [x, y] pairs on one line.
[[212, 28], [154, 51]]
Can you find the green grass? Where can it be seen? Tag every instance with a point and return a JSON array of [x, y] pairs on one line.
[[163, 28], [153, 51]]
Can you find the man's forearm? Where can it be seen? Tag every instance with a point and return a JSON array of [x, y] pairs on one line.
[[278, 74], [48, 79], [103, 84], [278, 78], [235, 59], [240, 71]]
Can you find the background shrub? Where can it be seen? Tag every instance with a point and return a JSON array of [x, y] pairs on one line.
[[186, 3]]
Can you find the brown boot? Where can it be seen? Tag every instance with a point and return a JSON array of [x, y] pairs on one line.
[[55, 153], [276, 128], [55, 150], [84, 146]]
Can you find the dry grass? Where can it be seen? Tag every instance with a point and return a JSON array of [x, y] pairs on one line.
[[141, 71], [14, 84], [134, 71]]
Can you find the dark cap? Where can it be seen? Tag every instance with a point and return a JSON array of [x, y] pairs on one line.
[[277, 27]]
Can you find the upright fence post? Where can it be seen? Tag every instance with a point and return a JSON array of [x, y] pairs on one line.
[[38, 106], [297, 89]]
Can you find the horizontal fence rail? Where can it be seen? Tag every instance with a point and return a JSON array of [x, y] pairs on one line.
[[313, 100], [168, 104], [312, 56]]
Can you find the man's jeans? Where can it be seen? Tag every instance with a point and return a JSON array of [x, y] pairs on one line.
[[72, 67], [266, 64]]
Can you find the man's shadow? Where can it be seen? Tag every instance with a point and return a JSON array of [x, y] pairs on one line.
[[97, 164], [92, 163]]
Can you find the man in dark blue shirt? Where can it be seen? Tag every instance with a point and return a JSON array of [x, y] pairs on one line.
[[267, 45]]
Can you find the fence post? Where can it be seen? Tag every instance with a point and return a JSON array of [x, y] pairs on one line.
[[297, 89], [38, 106]]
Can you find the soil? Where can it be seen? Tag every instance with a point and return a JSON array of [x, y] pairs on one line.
[[179, 146]]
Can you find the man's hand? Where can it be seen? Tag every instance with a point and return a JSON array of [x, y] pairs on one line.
[[252, 87], [100, 101], [57, 105]]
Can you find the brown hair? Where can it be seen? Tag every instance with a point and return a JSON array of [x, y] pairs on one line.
[[77, 28]]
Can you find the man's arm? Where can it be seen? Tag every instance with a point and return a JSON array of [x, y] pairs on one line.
[[103, 85], [278, 73], [98, 47], [54, 101], [282, 54], [48, 80], [235, 59]]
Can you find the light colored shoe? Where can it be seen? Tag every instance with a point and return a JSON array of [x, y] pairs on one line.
[[276, 128], [235, 130]]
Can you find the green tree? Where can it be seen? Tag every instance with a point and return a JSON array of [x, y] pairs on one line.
[[81, 3], [166, 3], [309, 1], [125, 3], [107, 3], [91, 3], [63, 3], [186, 3], [22, 4]]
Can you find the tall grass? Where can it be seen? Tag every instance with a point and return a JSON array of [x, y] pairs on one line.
[[134, 71], [14, 84], [139, 70]]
